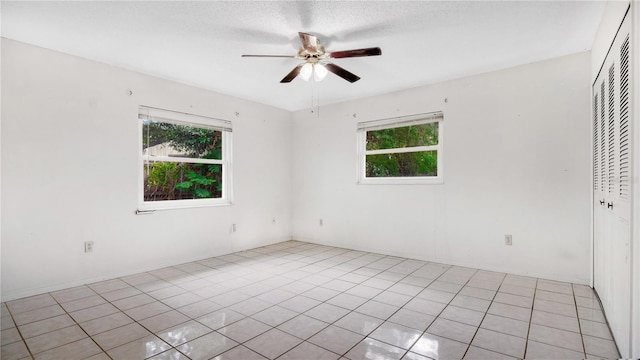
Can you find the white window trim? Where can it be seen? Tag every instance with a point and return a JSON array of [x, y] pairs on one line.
[[417, 119], [224, 126]]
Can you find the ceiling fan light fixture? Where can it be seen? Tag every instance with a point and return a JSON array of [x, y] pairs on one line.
[[319, 72], [306, 71]]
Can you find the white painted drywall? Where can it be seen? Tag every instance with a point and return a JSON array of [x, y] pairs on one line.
[[515, 145], [516, 161], [69, 174]]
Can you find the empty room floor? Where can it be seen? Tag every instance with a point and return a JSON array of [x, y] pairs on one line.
[[297, 300]]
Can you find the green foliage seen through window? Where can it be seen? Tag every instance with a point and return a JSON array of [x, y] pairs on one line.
[[404, 164], [182, 180]]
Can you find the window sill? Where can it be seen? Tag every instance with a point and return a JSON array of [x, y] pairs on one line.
[[401, 181], [146, 208]]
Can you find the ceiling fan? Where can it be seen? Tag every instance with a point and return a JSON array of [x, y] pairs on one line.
[[316, 60]]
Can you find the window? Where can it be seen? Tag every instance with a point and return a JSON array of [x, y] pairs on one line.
[[405, 150], [185, 160]]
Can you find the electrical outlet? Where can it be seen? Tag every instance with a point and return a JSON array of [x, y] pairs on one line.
[[321, 222], [88, 246], [508, 240]]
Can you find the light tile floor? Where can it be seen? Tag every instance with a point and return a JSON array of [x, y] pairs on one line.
[[297, 300]]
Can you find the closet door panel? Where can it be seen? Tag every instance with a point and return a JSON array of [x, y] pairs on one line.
[[611, 187]]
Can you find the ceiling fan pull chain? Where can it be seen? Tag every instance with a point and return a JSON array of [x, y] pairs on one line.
[[315, 95], [313, 88], [317, 91]]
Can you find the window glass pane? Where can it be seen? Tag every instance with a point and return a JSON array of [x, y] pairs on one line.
[[180, 181], [167, 139], [423, 163], [401, 137]]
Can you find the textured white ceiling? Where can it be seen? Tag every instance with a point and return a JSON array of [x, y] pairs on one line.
[[200, 43]]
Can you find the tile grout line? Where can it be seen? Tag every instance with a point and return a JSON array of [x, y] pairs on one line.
[[155, 300], [356, 284], [456, 294], [251, 316], [436, 317], [575, 303], [370, 299], [561, 329], [76, 323], [321, 302], [108, 302], [136, 321], [350, 311], [443, 309], [57, 302], [606, 322], [526, 344], [223, 307], [24, 341], [401, 307], [483, 317]]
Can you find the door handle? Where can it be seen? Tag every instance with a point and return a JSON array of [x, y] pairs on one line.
[[610, 205], [601, 202]]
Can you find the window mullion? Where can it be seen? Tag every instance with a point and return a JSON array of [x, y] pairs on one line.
[[183, 160], [402, 150]]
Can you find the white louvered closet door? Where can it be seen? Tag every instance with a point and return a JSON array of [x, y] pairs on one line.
[[611, 186]]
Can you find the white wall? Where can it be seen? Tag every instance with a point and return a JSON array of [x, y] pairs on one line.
[[515, 141], [69, 174], [516, 161]]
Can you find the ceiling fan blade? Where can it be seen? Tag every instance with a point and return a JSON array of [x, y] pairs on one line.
[[350, 77], [356, 53], [309, 42], [272, 56], [292, 75]]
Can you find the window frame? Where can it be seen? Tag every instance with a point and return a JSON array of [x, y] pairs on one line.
[[403, 121], [197, 121]]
